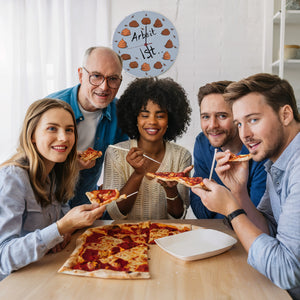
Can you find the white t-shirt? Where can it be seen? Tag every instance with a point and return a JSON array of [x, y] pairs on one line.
[[87, 128]]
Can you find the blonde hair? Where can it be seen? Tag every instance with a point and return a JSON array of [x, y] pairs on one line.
[[64, 175]]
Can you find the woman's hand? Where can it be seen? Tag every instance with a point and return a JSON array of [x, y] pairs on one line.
[[79, 217], [62, 245], [136, 159]]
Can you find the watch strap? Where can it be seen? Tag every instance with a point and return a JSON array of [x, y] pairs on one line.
[[235, 213]]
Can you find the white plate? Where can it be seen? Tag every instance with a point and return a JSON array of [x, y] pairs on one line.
[[196, 244]]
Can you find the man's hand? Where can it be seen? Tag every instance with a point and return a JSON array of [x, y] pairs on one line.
[[218, 199], [233, 174], [82, 164]]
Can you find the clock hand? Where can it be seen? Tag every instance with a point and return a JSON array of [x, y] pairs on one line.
[[139, 46], [146, 35]]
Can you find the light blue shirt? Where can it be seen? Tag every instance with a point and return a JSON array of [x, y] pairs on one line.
[[277, 255], [28, 231]]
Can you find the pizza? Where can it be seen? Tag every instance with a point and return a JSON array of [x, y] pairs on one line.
[[193, 182], [241, 157], [159, 230], [117, 250], [103, 197], [90, 154], [180, 177], [167, 176]]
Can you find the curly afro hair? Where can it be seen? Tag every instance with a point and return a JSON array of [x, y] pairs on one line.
[[168, 94]]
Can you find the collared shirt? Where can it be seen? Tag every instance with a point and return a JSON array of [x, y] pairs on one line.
[[28, 231], [107, 133], [277, 256], [203, 157]]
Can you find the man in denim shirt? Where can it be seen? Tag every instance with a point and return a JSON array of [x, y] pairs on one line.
[[94, 104], [265, 111]]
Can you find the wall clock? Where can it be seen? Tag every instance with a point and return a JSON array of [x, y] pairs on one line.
[[147, 42]]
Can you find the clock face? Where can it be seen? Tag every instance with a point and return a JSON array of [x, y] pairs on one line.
[[147, 42]]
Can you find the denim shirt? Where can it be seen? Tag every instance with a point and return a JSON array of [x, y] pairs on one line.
[[277, 255], [28, 231], [203, 157], [107, 133]]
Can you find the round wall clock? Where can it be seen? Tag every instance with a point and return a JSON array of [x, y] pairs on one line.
[[147, 42]]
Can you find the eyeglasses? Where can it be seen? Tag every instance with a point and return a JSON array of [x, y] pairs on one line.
[[97, 79]]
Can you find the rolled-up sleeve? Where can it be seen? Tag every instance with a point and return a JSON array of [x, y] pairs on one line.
[[277, 255]]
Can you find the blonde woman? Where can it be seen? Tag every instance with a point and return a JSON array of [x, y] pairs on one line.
[[35, 185]]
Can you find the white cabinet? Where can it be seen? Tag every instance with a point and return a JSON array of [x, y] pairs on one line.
[[286, 31]]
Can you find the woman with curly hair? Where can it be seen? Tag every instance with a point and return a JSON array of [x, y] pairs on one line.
[[152, 112], [35, 185]]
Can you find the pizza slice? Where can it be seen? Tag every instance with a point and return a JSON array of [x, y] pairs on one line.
[[167, 176], [132, 232], [241, 157], [131, 263], [159, 230], [103, 197], [193, 182], [99, 255], [90, 154]]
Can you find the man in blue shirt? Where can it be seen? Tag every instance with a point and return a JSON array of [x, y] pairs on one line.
[[219, 132], [94, 104], [265, 110]]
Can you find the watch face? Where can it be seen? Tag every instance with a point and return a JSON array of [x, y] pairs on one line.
[[147, 42]]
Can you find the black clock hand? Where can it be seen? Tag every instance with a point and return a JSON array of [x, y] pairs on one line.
[[146, 36]]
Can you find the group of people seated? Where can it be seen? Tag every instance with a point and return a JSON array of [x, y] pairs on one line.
[[43, 185]]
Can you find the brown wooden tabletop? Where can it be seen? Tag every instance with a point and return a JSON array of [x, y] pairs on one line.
[[225, 276]]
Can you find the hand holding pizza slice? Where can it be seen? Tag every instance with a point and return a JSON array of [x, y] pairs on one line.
[[181, 177], [90, 154], [103, 197], [241, 157]]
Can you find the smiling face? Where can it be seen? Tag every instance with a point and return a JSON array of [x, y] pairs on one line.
[[101, 61], [260, 127], [54, 136], [217, 121], [152, 122]]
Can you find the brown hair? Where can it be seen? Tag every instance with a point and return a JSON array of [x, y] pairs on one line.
[[217, 87], [276, 91], [63, 176]]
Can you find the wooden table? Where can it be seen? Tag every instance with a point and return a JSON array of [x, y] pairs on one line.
[[225, 276]]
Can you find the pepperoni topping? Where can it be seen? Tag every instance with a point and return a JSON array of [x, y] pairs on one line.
[[90, 254]]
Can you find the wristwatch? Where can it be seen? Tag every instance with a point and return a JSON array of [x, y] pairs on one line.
[[231, 216]]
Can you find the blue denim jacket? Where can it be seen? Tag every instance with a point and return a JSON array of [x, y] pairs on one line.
[[277, 256], [107, 133]]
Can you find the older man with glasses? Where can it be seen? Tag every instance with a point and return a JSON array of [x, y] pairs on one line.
[[94, 104]]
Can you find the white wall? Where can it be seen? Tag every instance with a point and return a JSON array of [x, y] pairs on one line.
[[218, 39]]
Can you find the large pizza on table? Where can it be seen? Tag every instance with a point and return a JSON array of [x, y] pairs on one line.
[[117, 250]]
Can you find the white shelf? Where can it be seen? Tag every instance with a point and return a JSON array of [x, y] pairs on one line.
[[286, 62], [292, 17]]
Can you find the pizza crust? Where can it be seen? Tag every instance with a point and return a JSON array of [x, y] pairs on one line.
[[157, 177], [90, 154], [94, 199], [238, 158]]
